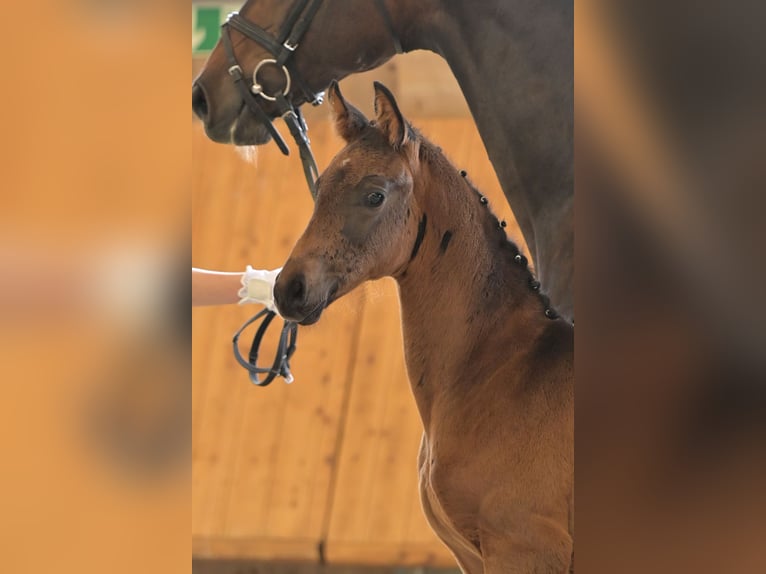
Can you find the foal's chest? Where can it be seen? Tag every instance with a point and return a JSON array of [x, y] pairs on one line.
[[451, 500]]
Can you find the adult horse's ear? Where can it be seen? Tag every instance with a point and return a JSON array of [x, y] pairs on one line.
[[349, 121], [388, 117]]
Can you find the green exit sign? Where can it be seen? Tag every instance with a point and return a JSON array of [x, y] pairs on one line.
[[206, 24]]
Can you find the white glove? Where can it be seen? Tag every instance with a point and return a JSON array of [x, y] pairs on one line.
[[258, 287]]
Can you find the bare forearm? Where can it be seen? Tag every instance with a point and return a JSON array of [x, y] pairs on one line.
[[215, 287]]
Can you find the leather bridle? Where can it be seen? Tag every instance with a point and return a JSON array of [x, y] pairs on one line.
[[281, 48]]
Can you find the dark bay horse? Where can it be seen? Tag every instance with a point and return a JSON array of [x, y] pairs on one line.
[[489, 362], [513, 60]]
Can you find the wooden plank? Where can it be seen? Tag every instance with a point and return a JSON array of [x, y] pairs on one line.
[[372, 553], [213, 203], [260, 548], [428, 88], [281, 481], [263, 458]]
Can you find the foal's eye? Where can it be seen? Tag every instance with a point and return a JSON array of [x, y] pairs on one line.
[[375, 199]]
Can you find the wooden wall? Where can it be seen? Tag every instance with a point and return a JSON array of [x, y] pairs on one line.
[[325, 468]]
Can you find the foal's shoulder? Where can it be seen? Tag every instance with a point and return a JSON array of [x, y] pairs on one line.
[[555, 343], [551, 361]]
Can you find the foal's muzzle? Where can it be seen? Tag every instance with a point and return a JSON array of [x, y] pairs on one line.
[[298, 302]]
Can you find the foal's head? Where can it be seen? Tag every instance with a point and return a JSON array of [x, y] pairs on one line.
[[364, 224]]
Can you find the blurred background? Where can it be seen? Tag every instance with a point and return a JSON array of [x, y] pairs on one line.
[[671, 377], [97, 430], [94, 312]]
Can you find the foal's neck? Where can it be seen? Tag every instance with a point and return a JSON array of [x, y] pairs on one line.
[[513, 62], [463, 294]]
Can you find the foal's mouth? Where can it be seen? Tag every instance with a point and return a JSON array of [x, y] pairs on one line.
[[314, 315]]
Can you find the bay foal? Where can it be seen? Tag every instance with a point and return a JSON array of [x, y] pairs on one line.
[[490, 364]]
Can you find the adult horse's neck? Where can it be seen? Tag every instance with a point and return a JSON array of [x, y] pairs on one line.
[[513, 60], [465, 300]]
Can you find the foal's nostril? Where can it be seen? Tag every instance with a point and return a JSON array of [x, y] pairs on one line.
[[297, 289], [199, 102]]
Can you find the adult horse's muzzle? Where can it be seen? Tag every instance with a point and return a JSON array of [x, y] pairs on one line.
[[230, 122], [300, 300]]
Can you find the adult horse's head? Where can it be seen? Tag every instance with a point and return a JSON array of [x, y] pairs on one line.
[[363, 226], [341, 37]]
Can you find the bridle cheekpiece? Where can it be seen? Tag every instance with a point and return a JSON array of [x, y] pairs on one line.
[[281, 48]]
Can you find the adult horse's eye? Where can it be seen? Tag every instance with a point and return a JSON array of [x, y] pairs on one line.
[[375, 199]]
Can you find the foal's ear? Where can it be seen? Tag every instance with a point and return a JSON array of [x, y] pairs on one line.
[[348, 120], [388, 117]]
